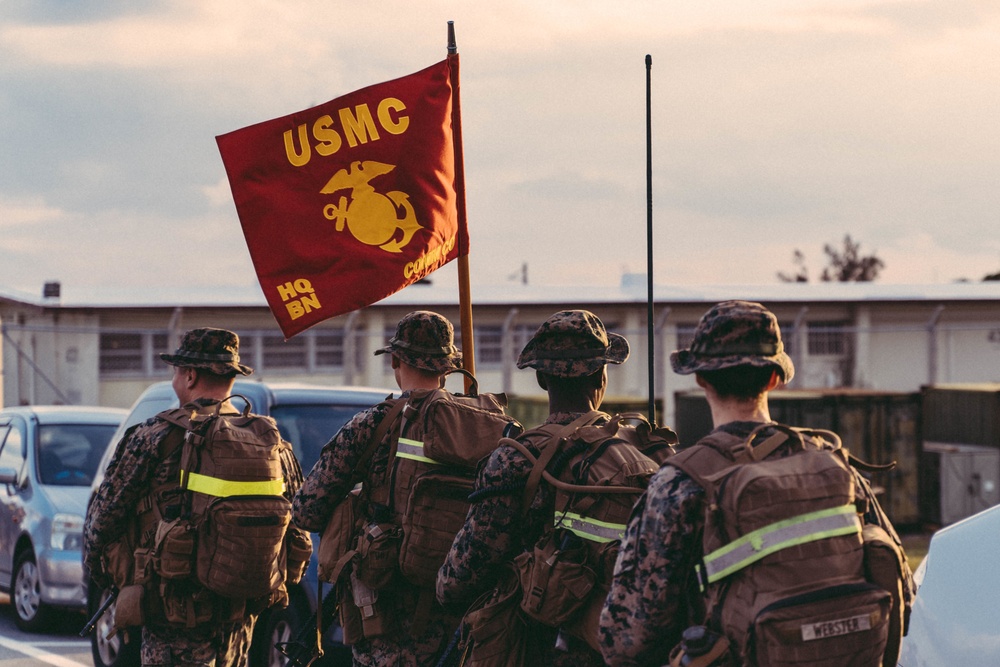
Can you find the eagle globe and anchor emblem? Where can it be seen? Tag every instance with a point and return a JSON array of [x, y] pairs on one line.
[[373, 218]]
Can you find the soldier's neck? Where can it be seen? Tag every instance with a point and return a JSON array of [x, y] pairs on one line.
[[572, 404], [725, 410]]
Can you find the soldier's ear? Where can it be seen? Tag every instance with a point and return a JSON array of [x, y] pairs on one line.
[[542, 380], [599, 379], [775, 381]]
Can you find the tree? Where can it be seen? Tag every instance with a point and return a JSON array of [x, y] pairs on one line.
[[992, 276], [802, 275], [845, 264]]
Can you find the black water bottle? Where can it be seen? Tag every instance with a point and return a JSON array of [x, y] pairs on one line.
[[696, 641]]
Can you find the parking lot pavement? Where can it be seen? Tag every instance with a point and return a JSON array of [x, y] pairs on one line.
[[61, 648]]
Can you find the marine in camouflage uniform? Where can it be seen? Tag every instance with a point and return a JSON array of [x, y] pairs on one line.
[[423, 342], [137, 467], [570, 344], [654, 595]]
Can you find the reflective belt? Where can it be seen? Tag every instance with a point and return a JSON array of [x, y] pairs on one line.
[[762, 542], [223, 488], [591, 529], [413, 449]]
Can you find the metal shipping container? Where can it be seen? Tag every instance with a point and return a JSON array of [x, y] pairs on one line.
[[966, 414]]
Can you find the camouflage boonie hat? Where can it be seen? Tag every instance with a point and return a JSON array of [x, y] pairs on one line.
[[425, 340], [735, 333], [573, 343], [215, 350]]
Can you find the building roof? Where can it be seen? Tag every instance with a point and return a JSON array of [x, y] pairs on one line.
[[444, 291]]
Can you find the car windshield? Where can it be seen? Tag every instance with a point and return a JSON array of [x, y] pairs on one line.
[[68, 454], [309, 427]]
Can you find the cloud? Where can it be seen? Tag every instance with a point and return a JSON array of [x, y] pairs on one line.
[[776, 125]]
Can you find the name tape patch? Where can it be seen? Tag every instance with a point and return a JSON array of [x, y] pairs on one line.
[[836, 627]]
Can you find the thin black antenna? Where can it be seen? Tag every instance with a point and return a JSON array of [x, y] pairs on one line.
[[649, 245]]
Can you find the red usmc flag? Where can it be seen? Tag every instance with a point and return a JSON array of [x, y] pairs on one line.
[[348, 202]]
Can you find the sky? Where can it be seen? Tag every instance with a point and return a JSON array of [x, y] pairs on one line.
[[777, 125]]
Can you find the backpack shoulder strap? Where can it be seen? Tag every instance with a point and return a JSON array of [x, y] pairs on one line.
[[702, 461], [549, 448], [396, 406]]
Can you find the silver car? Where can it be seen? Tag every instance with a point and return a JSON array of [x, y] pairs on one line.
[[48, 458]]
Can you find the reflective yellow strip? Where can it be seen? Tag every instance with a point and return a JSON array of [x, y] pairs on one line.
[[413, 449], [223, 488], [591, 529], [791, 532]]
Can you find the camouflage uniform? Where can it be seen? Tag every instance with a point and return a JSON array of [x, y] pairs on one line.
[[569, 344], [424, 340], [654, 595], [134, 470]]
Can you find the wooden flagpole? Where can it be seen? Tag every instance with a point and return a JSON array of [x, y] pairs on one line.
[[464, 291]]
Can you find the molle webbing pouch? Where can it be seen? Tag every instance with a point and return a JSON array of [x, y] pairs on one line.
[[841, 625], [183, 607], [556, 578], [378, 555], [299, 548], [241, 546], [495, 631], [174, 547], [337, 538], [130, 607], [437, 503], [884, 563]]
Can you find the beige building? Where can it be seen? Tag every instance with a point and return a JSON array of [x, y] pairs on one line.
[[99, 348]]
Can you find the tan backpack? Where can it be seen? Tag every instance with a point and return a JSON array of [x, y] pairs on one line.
[[442, 437], [598, 471], [407, 523], [789, 575], [226, 527]]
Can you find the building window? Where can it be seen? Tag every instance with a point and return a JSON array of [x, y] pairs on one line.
[[788, 336], [285, 354], [121, 353], [248, 349], [685, 335], [522, 334], [160, 346], [489, 345], [329, 349], [827, 338]]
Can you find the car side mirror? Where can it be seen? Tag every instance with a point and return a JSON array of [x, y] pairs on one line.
[[8, 476]]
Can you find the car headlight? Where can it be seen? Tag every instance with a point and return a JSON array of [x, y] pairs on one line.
[[67, 532]]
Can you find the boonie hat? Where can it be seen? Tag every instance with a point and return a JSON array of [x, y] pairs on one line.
[[573, 343], [215, 350], [735, 333], [425, 340]]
